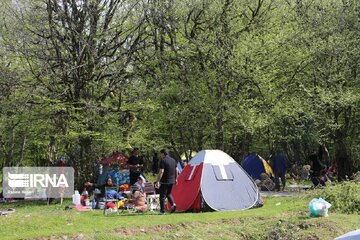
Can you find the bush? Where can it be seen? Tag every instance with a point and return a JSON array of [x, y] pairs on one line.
[[344, 197], [357, 177]]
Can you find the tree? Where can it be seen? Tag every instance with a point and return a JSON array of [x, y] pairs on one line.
[[79, 53]]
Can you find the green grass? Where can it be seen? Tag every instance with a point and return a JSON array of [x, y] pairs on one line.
[[287, 220]]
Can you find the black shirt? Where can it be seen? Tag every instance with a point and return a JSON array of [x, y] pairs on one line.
[[169, 166], [317, 167], [133, 160]]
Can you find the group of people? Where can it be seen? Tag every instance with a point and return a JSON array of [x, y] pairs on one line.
[[167, 177], [319, 170]]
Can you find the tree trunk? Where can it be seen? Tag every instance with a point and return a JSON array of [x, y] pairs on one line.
[[343, 160], [51, 151], [86, 159], [219, 124], [219, 141], [22, 151]]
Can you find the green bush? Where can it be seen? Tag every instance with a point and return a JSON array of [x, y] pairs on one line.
[[357, 177], [344, 197]]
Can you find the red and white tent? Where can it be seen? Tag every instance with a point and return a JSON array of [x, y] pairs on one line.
[[214, 181]]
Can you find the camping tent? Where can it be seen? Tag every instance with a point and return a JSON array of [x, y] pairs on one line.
[[214, 181], [118, 176], [115, 166], [353, 235], [255, 165]]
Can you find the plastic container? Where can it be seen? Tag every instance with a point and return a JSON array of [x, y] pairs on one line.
[[76, 198]]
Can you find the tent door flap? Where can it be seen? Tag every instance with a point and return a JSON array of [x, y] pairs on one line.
[[223, 173]]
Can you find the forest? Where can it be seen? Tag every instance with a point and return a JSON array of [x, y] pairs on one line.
[[84, 78]]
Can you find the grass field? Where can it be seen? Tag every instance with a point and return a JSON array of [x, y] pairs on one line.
[[280, 218]]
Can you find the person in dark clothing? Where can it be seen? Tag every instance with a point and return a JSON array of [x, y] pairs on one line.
[[136, 165], [101, 187], [155, 164], [279, 167], [167, 177], [108, 193], [317, 170]]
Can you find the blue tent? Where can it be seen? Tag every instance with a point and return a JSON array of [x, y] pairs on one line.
[[255, 165], [118, 177]]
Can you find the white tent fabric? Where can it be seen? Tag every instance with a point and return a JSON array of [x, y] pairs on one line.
[[353, 235], [224, 184], [214, 181]]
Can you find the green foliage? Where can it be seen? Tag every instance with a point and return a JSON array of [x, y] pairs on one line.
[[241, 76], [344, 197]]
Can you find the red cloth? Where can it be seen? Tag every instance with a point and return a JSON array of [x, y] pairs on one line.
[[111, 205], [80, 207], [61, 164]]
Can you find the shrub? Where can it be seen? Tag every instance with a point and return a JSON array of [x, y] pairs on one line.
[[357, 177], [344, 197]]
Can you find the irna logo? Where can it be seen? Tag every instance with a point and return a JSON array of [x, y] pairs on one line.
[[37, 180]]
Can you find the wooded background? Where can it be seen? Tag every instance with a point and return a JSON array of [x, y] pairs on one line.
[[84, 78]]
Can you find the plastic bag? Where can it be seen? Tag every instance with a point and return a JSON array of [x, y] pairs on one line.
[[318, 207]]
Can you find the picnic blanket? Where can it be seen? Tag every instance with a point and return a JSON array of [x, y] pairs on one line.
[[80, 207]]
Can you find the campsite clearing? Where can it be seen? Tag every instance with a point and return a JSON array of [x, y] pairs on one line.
[[287, 220]]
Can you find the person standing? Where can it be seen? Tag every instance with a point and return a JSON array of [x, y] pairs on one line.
[[136, 165], [167, 177], [279, 167], [317, 170]]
